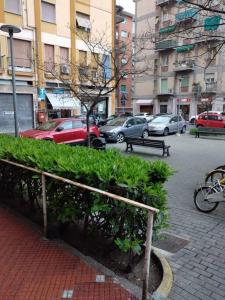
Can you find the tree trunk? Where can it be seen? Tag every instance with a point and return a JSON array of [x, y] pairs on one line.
[[88, 129]]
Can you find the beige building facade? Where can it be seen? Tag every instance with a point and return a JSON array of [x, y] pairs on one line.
[[48, 38], [186, 71]]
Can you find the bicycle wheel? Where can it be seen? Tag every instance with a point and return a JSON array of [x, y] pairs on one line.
[[214, 175], [200, 201], [222, 167]]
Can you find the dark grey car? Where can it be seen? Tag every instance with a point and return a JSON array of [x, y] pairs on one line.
[[116, 130]]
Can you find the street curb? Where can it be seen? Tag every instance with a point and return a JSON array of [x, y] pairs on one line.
[[164, 289]]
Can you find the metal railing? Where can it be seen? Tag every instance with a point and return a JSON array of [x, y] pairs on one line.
[[151, 212]]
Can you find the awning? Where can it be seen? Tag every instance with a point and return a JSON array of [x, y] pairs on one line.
[[168, 29], [144, 102], [212, 23], [83, 21], [185, 48], [63, 101]]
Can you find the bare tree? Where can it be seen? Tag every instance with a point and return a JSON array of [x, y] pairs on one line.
[[92, 82]]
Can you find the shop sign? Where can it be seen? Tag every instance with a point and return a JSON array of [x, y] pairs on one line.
[[8, 113], [58, 91], [184, 100], [41, 93]]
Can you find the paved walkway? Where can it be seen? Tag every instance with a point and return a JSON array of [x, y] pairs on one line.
[[36, 269]]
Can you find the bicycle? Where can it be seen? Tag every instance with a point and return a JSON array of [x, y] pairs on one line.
[[217, 174], [207, 198]]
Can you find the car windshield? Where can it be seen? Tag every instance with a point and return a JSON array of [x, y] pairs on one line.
[[47, 126], [116, 122], [161, 119]]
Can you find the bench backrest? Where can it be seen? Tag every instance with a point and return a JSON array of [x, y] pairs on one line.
[[211, 129], [142, 141]]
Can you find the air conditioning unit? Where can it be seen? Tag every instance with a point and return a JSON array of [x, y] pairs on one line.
[[64, 69]]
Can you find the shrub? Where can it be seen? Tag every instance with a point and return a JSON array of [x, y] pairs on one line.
[[130, 177], [193, 131]]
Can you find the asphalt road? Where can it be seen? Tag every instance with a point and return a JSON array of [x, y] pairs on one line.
[[198, 268]]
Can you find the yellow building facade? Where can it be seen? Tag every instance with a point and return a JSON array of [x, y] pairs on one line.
[[48, 38]]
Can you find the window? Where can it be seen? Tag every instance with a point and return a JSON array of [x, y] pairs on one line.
[[164, 85], [123, 88], [13, 6], [49, 57], [48, 12], [83, 21], [140, 121], [165, 17], [209, 77], [94, 60], [124, 20], [82, 58], [22, 53], [117, 35], [131, 122], [164, 60], [163, 109], [66, 125], [184, 81], [124, 33], [78, 124], [64, 55]]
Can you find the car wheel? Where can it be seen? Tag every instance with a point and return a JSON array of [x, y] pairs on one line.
[[145, 134], [120, 137], [166, 131], [183, 130]]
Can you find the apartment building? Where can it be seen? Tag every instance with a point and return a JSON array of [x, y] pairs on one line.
[[187, 72], [123, 42], [48, 40]]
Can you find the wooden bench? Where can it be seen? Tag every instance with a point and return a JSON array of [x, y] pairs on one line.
[[160, 144], [209, 130]]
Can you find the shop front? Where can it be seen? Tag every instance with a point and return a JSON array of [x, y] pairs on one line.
[[62, 106], [184, 105], [25, 112], [144, 106]]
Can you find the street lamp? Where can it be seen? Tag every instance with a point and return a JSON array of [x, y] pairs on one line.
[[11, 29], [178, 109]]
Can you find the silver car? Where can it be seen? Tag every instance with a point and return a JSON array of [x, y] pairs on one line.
[[116, 130], [166, 124]]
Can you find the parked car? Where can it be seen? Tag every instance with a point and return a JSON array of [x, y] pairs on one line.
[[103, 122], [192, 119], [117, 129], [166, 124], [62, 131], [216, 120], [147, 116]]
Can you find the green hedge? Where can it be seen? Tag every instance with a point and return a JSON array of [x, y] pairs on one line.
[[130, 177]]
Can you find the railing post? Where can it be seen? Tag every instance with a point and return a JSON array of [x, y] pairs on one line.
[[147, 258], [44, 204]]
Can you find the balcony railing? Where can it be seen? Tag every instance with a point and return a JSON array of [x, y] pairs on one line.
[[211, 87], [162, 2], [190, 14], [167, 44], [165, 92], [184, 65], [21, 64]]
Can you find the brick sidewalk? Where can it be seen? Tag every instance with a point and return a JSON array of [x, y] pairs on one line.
[[36, 269]]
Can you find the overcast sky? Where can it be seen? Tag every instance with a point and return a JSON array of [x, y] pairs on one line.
[[128, 5]]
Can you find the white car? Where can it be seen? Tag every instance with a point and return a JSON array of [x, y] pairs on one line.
[[147, 116]]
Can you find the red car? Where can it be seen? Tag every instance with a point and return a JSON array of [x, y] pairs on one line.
[[63, 131], [216, 120]]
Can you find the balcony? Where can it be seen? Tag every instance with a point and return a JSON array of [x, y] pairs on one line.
[[164, 92], [20, 64], [210, 87], [165, 45], [184, 66], [164, 2], [189, 15]]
